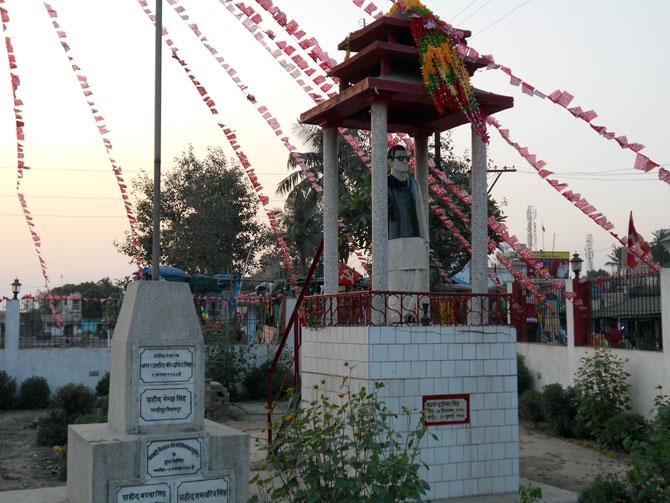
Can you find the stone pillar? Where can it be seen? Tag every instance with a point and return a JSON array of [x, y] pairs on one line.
[[12, 333], [379, 197], [421, 174], [479, 229], [479, 232], [330, 211]]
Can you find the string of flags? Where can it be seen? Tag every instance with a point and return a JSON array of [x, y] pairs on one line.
[[232, 140], [20, 154], [269, 119], [102, 130]]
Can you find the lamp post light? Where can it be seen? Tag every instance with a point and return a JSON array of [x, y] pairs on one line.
[[16, 287], [576, 264]]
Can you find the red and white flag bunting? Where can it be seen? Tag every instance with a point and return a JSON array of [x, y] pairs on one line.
[[20, 156], [103, 131], [232, 140]]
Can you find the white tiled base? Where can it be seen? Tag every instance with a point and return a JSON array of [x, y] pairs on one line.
[[477, 458]]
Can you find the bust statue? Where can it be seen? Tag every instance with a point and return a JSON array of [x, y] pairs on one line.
[[408, 265]]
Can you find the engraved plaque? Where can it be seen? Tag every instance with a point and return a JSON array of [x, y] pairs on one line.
[[148, 493], [166, 365], [446, 409], [166, 405], [206, 491], [176, 457]]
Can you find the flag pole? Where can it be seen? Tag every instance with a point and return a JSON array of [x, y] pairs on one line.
[[155, 241]]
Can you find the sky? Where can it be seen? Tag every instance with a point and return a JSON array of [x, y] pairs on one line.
[[610, 54]]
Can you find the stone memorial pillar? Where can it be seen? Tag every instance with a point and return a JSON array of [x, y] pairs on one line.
[[157, 446], [330, 211]]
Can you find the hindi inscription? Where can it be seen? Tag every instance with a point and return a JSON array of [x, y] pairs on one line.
[[166, 405], [446, 409], [206, 491], [166, 365], [150, 493], [174, 457]]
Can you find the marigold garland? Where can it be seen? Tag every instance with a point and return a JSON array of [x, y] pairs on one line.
[[445, 76]]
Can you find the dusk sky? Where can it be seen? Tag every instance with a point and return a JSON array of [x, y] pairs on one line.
[[610, 54]]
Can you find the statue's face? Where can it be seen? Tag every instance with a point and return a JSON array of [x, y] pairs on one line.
[[400, 163]]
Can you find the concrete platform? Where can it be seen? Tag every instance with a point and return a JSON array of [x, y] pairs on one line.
[[550, 494]]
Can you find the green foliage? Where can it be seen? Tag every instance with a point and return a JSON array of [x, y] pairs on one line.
[[34, 393], [606, 490], [102, 388], [559, 409], [530, 494], [602, 390], [255, 382], [343, 450], [618, 428], [530, 406], [100, 289], [91, 419], [208, 215], [7, 391], [228, 363], [52, 429], [524, 379], [75, 400], [649, 475]]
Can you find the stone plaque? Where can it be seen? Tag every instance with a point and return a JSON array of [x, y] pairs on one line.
[[206, 491], [167, 458], [166, 365], [446, 409], [149, 493], [166, 405]]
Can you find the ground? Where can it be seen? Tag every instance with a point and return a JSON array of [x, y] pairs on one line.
[[544, 458]]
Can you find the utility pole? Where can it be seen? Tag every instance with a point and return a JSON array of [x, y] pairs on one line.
[[505, 169], [156, 237]]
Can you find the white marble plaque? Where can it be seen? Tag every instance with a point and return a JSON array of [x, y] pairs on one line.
[[446, 409], [148, 493], [166, 365], [166, 405], [166, 458], [205, 491]]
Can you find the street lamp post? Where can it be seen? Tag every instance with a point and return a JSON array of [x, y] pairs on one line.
[[16, 288], [576, 264]]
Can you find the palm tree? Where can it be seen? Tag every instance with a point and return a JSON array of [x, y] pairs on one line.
[[617, 260], [658, 251]]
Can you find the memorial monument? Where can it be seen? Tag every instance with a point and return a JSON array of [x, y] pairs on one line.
[[459, 371], [157, 447]]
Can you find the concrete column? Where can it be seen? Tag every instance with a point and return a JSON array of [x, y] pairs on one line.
[[421, 159], [665, 308], [478, 265], [570, 315], [12, 333], [379, 197], [330, 211]]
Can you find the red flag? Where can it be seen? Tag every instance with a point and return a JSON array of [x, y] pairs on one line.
[[637, 246]]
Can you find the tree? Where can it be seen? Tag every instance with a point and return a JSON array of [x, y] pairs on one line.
[[355, 199], [617, 260], [600, 273], [208, 215], [658, 252]]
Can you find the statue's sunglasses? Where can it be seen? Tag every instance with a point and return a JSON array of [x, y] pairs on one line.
[[402, 157]]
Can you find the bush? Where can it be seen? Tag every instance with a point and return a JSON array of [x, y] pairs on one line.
[[618, 428], [530, 406], [343, 450], [7, 391], [524, 379], [256, 384], [559, 409], [229, 363], [102, 388], [91, 419], [34, 393], [52, 429], [649, 475], [606, 490], [602, 390], [75, 400]]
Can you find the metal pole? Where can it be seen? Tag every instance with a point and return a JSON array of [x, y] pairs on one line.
[[155, 245], [438, 153]]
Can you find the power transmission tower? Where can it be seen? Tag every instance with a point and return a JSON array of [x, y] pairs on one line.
[[531, 216]]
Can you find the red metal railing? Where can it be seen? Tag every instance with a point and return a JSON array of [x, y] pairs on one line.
[[371, 308]]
